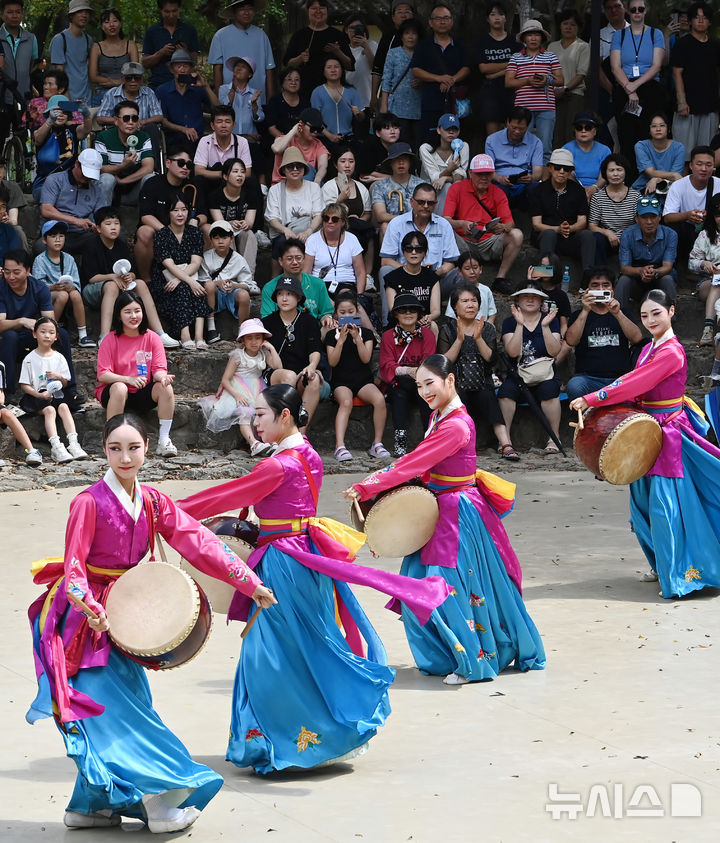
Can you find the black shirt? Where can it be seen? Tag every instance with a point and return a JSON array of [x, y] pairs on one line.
[[699, 61], [97, 259], [556, 207], [250, 199], [603, 350], [157, 192], [430, 57], [420, 285], [560, 297], [316, 41], [295, 353], [281, 115], [350, 368]]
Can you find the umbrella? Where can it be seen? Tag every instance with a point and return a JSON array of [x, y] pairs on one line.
[[536, 408]]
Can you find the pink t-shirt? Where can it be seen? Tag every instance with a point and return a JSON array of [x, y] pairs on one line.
[[311, 156], [117, 355]]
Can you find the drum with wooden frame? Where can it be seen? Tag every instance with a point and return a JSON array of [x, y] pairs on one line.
[[619, 443], [158, 615], [399, 521]]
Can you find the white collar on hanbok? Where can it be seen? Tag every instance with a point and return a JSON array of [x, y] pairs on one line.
[[448, 408], [292, 441], [668, 335], [133, 506]]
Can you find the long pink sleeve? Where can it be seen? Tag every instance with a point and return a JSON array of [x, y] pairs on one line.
[[265, 477], [664, 362], [442, 442], [79, 535], [206, 551]]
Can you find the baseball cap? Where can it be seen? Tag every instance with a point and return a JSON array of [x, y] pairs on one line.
[[482, 164], [54, 225], [220, 225], [90, 162], [449, 121], [648, 205]]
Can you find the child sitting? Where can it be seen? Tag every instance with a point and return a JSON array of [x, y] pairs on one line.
[[241, 384], [59, 271], [349, 350], [470, 269], [43, 375], [226, 277], [10, 420]]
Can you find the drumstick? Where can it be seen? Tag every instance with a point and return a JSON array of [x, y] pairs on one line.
[[82, 605], [579, 424], [358, 511], [249, 624]]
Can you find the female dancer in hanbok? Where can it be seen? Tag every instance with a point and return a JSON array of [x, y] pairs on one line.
[[304, 693], [129, 763], [675, 507], [484, 626]]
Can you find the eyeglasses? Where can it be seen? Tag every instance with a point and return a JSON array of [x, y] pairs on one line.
[[130, 118], [331, 218], [185, 163], [566, 168], [426, 203], [584, 127], [414, 249], [133, 78], [637, 9]]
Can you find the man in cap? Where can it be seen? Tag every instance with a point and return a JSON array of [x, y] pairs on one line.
[[162, 39], [73, 196], [125, 166], [70, 50], [20, 50], [391, 196], [559, 212], [184, 99], [132, 89], [242, 38], [305, 136], [400, 11], [479, 213], [295, 334], [647, 256], [518, 157]]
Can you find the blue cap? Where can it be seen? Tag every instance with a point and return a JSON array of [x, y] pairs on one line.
[[449, 121], [53, 225], [648, 205]]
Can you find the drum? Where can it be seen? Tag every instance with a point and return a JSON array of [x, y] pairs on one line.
[[158, 615], [619, 443], [399, 521]]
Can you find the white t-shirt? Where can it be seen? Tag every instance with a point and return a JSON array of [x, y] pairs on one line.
[[333, 263], [306, 202], [360, 77], [683, 197], [34, 369], [236, 269]]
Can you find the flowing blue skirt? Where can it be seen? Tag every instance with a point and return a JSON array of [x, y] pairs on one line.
[[128, 752], [483, 626], [301, 697], [677, 522]]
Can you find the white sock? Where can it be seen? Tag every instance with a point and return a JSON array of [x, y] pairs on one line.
[[164, 432], [210, 323], [53, 441], [82, 332], [72, 437]]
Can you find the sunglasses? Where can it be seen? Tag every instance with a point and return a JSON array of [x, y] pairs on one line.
[[130, 118], [133, 78], [185, 163], [637, 9], [289, 333], [414, 249], [331, 218], [584, 127], [426, 203], [406, 310], [294, 167], [650, 202], [566, 168]]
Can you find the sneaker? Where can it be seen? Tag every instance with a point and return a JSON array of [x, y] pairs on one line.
[[99, 819], [76, 452], [263, 240], [87, 342], [649, 576], [213, 335], [400, 443], [60, 453], [34, 457], [166, 449], [502, 286], [708, 336], [168, 341], [369, 283], [252, 287]]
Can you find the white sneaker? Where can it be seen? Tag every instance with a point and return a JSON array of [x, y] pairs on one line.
[[166, 449], [34, 457], [99, 819], [369, 283], [181, 818], [76, 452], [649, 576], [60, 453], [455, 679], [168, 341], [263, 240]]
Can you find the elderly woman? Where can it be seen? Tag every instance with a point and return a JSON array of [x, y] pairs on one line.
[[612, 208], [471, 344], [531, 337], [179, 296], [636, 58], [588, 152]]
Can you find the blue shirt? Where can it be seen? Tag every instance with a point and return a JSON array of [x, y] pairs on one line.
[[587, 164], [74, 54], [514, 158], [672, 160], [244, 119], [442, 245], [29, 305], [157, 37], [635, 251], [183, 109], [337, 116], [251, 42], [431, 57], [403, 99], [636, 50]]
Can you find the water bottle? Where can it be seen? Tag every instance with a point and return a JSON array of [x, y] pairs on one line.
[[142, 368], [565, 284]]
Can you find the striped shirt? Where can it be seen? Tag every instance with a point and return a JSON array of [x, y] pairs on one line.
[[617, 216], [109, 144], [524, 66]]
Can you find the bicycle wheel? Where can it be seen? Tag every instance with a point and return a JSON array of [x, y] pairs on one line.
[[14, 153]]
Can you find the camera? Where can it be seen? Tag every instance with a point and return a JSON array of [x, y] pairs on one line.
[[186, 79], [359, 29], [601, 295]]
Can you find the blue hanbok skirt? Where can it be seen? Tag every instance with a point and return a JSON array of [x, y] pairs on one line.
[[677, 522], [483, 626], [301, 696]]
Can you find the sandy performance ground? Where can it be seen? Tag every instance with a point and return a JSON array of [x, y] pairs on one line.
[[618, 738]]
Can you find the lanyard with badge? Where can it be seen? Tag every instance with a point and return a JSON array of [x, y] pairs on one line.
[[636, 66]]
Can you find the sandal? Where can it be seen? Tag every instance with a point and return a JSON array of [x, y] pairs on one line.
[[189, 345], [379, 451], [507, 452], [342, 454], [201, 345], [551, 448]]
